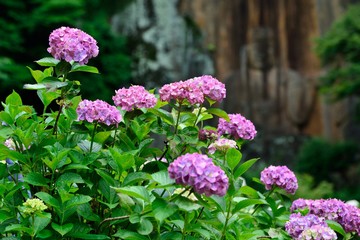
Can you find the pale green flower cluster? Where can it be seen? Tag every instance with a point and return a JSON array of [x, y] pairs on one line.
[[33, 205]]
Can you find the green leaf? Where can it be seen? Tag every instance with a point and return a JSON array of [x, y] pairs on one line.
[[4, 215], [218, 112], [162, 209], [129, 235], [123, 160], [162, 178], [47, 62], [36, 74], [62, 229], [101, 137], [248, 202], [89, 236], [47, 97], [36, 179], [86, 212], [249, 191], [145, 226], [40, 222], [77, 200], [336, 227], [62, 68], [48, 199], [135, 177], [135, 191], [233, 158], [13, 99], [83, 68], [244, 167]]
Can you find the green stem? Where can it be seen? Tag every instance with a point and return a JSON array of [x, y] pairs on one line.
[[62, 98], [93, 136], [178, 118], [227, 220]]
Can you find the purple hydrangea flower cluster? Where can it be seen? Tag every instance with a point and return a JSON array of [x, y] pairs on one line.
[[198, 171], [300, 227], [194, 90], [318, 232], [99, 111], [134, 97], [238, 127], [72, 44], [280, 176], [222, 144], [348, 216]]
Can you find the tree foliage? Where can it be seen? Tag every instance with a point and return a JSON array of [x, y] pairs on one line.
[[339, 49]]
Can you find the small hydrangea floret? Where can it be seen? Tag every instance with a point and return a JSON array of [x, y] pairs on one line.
[[280, 176], [222, 144], [318, 232], [199, 171], [237, 127], [98, 111], [33, 205], [134, 97], [72, 44]]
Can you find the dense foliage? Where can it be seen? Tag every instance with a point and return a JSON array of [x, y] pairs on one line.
[[339, 50], [146, 168]]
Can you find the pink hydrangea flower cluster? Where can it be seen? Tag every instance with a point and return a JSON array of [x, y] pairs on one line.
[[99, 111], [222, 144], [237, 127], [194, 90], [134, 97], [72, 44], [348, 216], [198, 171], [305, 227], [280, 176], [210, 87]]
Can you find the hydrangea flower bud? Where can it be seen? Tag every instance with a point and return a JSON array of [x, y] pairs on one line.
[[238, 127], [72, 44], [280, 176], [99, 111], [134, 97], [198, 171]]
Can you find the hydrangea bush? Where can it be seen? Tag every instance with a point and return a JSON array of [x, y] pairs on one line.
[[146, 167]]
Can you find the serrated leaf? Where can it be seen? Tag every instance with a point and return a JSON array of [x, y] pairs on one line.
[[36, 179], [89, 236], [62, 229], [47, 62], [162, 178]]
